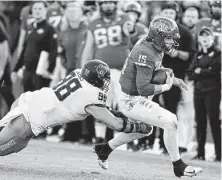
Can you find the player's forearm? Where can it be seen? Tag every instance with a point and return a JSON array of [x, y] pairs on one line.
[[148, 89], [183, 55]]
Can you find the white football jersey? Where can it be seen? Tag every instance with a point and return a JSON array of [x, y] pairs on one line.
[[61, 104]]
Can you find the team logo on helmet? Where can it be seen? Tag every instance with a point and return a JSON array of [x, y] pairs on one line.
[[101, 70]]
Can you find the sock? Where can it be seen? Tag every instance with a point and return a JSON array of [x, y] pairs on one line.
[[178, 163], [106, 150], [171, 143], [123, 138]]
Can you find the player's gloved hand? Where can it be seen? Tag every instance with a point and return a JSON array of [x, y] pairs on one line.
[[142, 128], [169, 82]]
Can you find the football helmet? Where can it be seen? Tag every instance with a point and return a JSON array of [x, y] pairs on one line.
[[108, 12], [162, 28], [97, 73], [133, 6]]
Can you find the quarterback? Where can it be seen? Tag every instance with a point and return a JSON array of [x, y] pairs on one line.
[[81, 93], [138, 89]]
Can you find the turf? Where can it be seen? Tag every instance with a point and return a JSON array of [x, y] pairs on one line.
[[65, 161]]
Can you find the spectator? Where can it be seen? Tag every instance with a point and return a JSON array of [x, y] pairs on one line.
[[190, 18], [40, 48], [179, 59], [214, 22], [205, 71], [73, 37]]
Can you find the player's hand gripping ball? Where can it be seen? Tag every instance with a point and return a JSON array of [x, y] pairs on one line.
[[159, 76]]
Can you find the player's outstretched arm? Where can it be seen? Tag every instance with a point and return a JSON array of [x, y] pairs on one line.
[[116, 120]]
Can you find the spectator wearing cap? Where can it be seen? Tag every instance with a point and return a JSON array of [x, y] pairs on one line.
[[179, 61], [205, 71], [214, 22]]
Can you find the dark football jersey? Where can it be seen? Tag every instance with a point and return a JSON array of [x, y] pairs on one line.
[[140, 31], [110, 43], [144, 55], [54, 16]]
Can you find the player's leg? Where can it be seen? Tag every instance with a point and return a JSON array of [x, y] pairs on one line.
[[15, 136], [151, 113]]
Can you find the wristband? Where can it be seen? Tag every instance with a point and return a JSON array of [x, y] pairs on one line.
[[165, 87]]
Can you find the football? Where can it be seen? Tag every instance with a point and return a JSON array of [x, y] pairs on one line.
[[159, 76]]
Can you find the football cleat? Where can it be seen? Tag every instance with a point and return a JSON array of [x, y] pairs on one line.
[[103, 164], [102, 150], [188, 171]]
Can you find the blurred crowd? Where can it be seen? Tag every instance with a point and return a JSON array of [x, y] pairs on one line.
[[42, 41]]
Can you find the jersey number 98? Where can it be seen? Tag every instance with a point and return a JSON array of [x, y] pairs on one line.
[[65, 87]]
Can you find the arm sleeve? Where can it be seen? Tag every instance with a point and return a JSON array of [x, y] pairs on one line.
[[51, 48]]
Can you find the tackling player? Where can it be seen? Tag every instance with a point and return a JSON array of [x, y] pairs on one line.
[[80, 94], [137, 92]]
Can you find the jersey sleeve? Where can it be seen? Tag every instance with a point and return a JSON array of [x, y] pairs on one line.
[[95, 98], [143, 59], [145, 67]]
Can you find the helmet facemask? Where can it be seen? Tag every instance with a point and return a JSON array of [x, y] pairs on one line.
[[169, 46]]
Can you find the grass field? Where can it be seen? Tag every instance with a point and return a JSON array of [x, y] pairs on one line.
[[65, 161]]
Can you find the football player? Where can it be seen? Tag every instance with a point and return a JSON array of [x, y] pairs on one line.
[[134, 10], [138, 89], [81, 93], [54, 14]]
